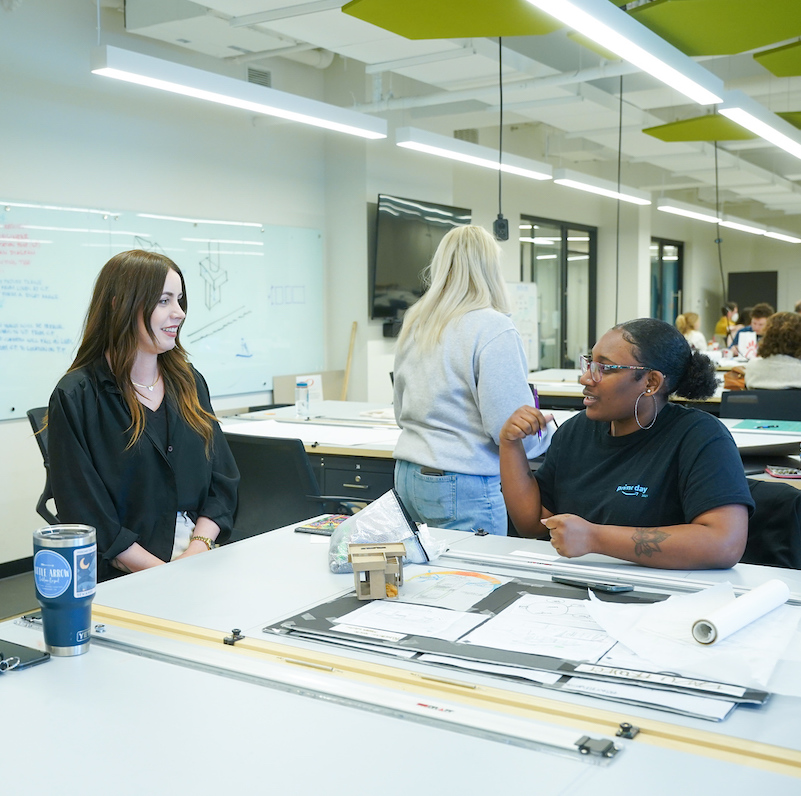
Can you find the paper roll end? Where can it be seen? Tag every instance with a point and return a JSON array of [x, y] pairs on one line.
[[704, 632]]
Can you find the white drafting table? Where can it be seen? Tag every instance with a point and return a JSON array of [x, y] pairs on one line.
[[762, 441], [326, 431], [342, 419], [141, 723]]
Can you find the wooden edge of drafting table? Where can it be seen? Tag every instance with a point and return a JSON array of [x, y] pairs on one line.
[[347, 450], [688, 740]]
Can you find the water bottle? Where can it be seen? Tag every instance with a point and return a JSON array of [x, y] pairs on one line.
[[65, 576], [302, 400]]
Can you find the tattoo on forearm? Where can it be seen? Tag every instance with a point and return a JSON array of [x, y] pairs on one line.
[[646, 541]]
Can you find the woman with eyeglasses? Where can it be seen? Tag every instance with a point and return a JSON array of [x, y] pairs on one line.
[[634, 476]]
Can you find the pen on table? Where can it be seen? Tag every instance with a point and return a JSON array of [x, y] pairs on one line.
[[774, 426], [536, 405]]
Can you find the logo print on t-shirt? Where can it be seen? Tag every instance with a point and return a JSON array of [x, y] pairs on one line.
[[633, 491]]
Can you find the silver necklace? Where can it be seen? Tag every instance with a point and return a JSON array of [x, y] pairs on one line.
[[147, 387]]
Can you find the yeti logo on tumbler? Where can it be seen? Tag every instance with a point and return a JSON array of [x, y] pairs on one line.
[[65, 575]]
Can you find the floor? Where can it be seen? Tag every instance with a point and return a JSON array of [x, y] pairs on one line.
[[17, 595]]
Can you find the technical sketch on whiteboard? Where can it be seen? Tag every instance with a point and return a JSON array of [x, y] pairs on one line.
[[254, 294], [523, 296], [214, 276]]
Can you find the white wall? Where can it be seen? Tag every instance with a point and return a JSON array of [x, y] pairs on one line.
[[73, 138], [77, 139]]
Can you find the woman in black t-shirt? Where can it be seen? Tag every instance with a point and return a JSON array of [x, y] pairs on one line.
[[634, 476]]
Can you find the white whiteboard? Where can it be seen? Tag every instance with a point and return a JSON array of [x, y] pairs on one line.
[[255, 295], [523, 296]]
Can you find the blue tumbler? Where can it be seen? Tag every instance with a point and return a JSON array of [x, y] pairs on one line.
[[65, 575]]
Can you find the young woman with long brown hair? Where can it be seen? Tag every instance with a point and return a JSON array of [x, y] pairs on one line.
[[134, 447]]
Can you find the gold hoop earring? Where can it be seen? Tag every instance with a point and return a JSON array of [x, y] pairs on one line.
[[636, 406]]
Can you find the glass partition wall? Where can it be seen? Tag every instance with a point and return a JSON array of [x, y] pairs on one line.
[[561, 258]]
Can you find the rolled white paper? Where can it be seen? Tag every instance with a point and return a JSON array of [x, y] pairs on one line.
[[741, 612]]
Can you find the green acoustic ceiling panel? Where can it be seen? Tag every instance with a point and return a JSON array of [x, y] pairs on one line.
[[783, 61], [453, 19], [700, 128], [794, 117], [721, 27]]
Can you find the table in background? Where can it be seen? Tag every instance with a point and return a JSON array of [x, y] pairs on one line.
[[362, 471]]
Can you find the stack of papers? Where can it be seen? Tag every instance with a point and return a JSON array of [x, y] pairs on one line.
[[530, 631]]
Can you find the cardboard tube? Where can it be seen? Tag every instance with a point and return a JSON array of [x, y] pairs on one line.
[[741, 612]]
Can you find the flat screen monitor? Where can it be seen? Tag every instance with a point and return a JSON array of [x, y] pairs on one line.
[[408, 232]]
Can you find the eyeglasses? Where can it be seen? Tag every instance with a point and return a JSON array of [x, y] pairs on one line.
[[597, 369]]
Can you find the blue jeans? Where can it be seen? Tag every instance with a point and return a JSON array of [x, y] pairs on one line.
[[454, 500]]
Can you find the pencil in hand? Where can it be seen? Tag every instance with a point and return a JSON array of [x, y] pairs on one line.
[[536, 405]]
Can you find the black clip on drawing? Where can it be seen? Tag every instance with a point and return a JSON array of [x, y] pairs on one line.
[[236, 635]]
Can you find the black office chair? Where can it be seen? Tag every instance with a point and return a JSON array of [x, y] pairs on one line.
[[36, 418], [761, 404], [774, 530], [277, 486]]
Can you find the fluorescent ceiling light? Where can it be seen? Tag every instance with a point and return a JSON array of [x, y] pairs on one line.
[[743, 226], [573, 179], [235, 254], [92, 231], [688, 211], [218, 240], [758, 119], [466, 152], [8, 205], [614, 29], [777, 235], [201, 220], [168, 76]]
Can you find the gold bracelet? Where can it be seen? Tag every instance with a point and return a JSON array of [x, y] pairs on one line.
[[205, 539]]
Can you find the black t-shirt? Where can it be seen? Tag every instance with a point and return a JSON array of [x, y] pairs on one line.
[[686, 464]]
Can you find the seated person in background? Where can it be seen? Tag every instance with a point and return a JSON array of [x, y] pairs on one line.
[[743, 320], [778, 363], [460, 371], [726, 323], [759, 318], [689, 324], [634, 476], [135, 450]]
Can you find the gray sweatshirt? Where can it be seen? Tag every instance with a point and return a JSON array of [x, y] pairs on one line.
[[452, 401]]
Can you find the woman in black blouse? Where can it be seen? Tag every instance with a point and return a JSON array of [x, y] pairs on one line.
[[135, 450]]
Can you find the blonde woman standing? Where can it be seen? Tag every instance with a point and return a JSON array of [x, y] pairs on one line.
[[460, 371]]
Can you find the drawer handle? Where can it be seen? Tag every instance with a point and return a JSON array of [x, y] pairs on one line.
[[357, 486]]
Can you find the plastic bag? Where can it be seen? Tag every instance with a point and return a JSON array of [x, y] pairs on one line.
[[383, 520]]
